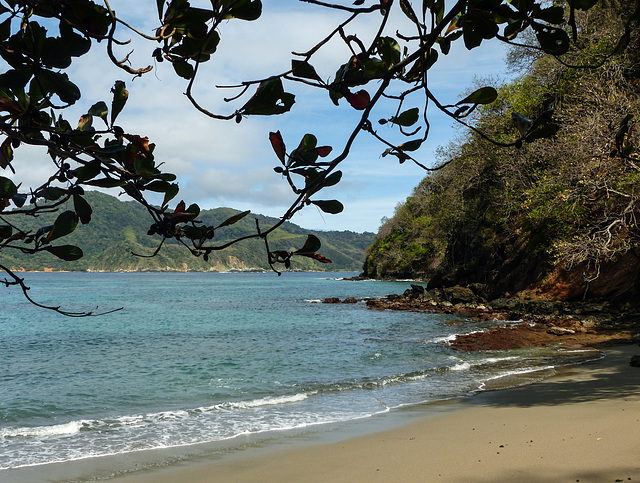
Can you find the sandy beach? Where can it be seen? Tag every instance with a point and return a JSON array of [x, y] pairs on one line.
[[582, 424]]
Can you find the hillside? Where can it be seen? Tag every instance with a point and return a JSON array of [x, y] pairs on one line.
[[556, 217], [118, 229]]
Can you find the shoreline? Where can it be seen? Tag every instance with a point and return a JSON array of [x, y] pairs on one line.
[[581, 424]]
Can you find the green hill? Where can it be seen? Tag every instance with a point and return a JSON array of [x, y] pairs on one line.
[[557, 216], [118, 229]]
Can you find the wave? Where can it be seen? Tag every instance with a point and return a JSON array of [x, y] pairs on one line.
[[265, 401], [52, 431]]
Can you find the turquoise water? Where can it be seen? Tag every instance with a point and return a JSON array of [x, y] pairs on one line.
[[202, 357]]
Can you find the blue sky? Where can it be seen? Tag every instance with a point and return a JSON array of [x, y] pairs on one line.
[[222, 163]]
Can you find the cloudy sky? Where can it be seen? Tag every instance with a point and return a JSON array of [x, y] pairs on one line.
[[221, 163]]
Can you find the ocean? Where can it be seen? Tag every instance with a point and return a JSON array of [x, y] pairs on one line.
[[196, 358]]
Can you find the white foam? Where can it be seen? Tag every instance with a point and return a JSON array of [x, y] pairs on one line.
[[265, 401], [516, 373], [440, 340], [463, 366], [53, 431]]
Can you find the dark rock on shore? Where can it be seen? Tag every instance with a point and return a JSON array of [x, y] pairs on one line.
[[543, 322]]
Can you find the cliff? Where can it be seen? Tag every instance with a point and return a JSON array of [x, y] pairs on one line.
[[555, 217]]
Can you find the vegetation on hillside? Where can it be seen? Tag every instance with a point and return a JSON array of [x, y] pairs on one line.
[[558, 215], [118, 230]]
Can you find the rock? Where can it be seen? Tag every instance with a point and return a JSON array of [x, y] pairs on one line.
[[454, 322], [350, 300], [635, 361], [560, 331], [331, 300], [503, 303], [480, 289], [415, 292], [459, 295]]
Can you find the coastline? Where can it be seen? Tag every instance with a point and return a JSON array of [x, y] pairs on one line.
[[582, 424]]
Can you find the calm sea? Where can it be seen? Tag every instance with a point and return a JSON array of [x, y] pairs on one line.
[[201, 357]]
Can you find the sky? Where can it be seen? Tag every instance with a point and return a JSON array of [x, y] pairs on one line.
[[221, 163]]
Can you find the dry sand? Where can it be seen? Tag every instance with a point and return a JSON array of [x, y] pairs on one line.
[[580, 425]]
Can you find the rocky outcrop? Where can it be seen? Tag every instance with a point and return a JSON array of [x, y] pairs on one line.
[[543, 322]]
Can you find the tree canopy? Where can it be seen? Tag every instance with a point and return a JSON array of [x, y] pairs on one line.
[[40, 41], [558, 216]]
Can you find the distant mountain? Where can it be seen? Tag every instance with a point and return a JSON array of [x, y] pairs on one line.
[[119, 228]]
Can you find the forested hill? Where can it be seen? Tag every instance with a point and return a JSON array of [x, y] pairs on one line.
[[119, 228], [557, 217]]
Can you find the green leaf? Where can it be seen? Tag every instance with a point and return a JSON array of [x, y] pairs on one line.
[[6, 154], [329, 206], [87, 16], [553, 15], [332, 179], [184, 69], [51, 193], [194, 209], [88, 171], [304, 69], [542, 119], [624, 40], [408, 11], [210, 45], [389, 50], [106, 183], [170, 193], [523, 123], [411, 145], [120, 96], [407, 118], [68, 253], [19, 199], [269, 99], [234, 219], [160, 4], [512, 29], [245, 9], [60, 85], [542, 131], [5, 29], [99, 109], [478, 25], [5, 231], [554, 41], [7, 188], [144, 166], [308, 143], [584, 4], [484, 95], [66, 223], [83, 209], [85, 123], [628, 149]]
